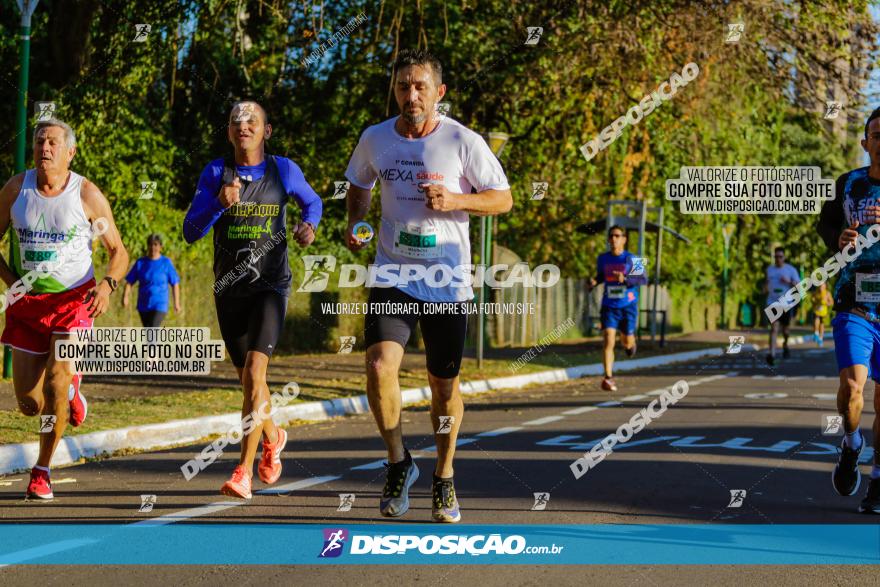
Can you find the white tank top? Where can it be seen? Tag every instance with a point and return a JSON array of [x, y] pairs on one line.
[[51, 236]]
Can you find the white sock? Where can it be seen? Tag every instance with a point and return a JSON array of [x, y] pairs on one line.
[[853, 440], [875, 472], [41, 468]]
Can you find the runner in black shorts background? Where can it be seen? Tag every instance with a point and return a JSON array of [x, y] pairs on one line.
[[428, 166], [245, 200]]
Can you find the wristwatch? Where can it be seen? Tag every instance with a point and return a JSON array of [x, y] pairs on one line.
[[113, 283]]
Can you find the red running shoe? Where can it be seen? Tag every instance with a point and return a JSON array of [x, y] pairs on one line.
[[40, 487], [79, 407], [608, 384]]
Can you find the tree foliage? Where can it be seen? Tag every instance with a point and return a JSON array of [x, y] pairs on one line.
[[157, 110]]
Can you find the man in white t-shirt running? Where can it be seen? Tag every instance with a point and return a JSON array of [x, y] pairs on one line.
[[780, 278], [427, 166]]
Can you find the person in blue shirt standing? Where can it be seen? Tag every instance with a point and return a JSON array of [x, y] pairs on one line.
[[620, 300], [153, 273], [244, 200]]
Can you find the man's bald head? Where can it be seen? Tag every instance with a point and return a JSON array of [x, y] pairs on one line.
[[245, 109], [248, 130]]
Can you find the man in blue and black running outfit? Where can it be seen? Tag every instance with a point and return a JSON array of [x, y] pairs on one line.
[[846, 221], [620, 300], [245, 200]]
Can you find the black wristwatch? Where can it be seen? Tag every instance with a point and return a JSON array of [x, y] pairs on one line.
[[113, 283]]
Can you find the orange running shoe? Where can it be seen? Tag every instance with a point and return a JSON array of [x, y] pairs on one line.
[[239, 485], [269, 468]]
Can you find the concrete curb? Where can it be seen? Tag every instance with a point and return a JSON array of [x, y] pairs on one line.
[[17, 457]]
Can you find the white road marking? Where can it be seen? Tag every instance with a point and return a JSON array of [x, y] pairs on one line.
[[500, 431], [632, 398], [765, 395], [577, 411], [301, 484], [544, 420], [825, 396], [220, 506], [202, 510]]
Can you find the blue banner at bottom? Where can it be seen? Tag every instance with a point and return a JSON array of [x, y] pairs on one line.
[[282, 544]]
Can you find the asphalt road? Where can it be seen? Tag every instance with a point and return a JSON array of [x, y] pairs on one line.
[[742, 426]]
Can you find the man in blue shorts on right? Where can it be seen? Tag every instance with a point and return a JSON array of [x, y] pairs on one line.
[[620, 300], [849, 219]]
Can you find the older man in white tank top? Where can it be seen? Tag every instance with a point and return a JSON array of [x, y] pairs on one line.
[[54, 213]]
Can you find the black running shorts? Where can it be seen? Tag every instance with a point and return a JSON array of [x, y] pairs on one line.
[[392, 316], [250, 323], [152, 318]]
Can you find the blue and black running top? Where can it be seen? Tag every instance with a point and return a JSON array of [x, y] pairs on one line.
[[858, 286], [618, 295], [250, 237]]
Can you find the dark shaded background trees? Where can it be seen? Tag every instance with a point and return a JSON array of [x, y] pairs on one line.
[[157, 110]]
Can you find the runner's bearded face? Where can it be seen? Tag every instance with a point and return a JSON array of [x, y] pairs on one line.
[[51, 152], [247, 128], [417, 93]]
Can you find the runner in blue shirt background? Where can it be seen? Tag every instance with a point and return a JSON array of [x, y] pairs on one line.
[[620, 299], [153, 273]]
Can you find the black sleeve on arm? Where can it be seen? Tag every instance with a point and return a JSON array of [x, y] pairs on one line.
[[831, 219]]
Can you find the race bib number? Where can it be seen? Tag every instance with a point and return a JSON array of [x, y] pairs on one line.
[[616, 292], [868, 287], [38, 253], [416, 241]]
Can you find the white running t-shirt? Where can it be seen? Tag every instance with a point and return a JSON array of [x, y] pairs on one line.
[[775, 285], [410, 233]]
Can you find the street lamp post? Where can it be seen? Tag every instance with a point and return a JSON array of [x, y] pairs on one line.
[[497, 141], [26, 7], [726, 232]]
